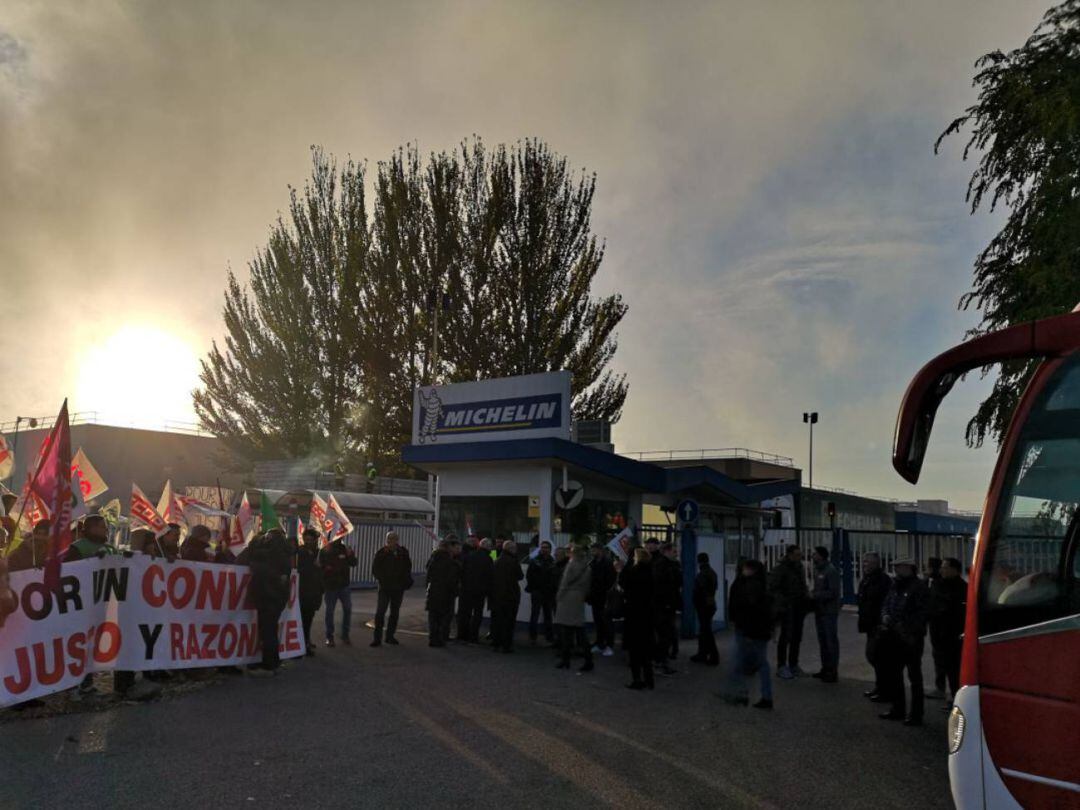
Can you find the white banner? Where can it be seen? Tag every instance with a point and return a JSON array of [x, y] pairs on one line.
[[134, 614]]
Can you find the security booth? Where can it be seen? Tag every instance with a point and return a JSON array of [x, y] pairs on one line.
[[505, 464]]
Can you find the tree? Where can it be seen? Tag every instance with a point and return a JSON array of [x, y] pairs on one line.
[[285, 383], [1026, 125], [504, 236]]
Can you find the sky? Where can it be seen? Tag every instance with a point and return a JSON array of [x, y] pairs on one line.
[[773, 210]]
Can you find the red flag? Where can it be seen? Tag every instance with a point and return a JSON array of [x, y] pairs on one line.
[[143, 513], [52, 484]]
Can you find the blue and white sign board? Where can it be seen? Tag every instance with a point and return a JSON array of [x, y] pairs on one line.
[[533, 406], [687, 511]]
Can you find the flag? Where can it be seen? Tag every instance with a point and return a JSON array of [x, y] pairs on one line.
[[52, 483], [318, 513], [300, 527], [143, 513], [242, 524], [7, 459], [170, 507], [29, 510], [111, 512], [338, 524], [78, 496], [268, 514], [89, 479]]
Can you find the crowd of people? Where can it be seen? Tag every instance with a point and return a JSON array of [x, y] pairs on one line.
[[568, 586], [563, 585]]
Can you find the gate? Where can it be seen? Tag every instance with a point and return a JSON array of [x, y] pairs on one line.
[[367, 538]]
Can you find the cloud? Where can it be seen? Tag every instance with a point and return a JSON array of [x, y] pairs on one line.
[[772, 209]]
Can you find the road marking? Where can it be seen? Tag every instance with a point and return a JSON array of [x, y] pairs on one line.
[[455, 744], [558, 756], [733, 792]]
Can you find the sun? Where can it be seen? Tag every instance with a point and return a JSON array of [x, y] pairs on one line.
[[140, 375]]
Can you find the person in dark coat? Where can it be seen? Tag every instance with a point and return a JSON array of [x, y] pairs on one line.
[[947, 613], [667, 598], [505, 598], [311, 583], [603, 579], [705, 587], [392, 570], [443, 581], [873, 588], [542, 583], [826, 596], [787, 586], [335, 559], [269, 557], [903, 631], [932, 575], [750, 610], [477, 574], [639, 627], [196, 547]]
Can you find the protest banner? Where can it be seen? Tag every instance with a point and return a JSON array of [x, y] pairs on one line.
[[133, 614]]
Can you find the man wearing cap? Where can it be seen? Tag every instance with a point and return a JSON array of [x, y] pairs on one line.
[[903, 629], [196, 547]]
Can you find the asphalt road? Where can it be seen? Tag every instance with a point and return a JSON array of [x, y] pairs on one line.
[[413, 726]]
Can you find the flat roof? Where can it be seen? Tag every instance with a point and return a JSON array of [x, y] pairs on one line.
[[699, 481]]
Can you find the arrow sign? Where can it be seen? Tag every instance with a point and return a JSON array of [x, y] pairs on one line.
[[570, 496], [687, 510]]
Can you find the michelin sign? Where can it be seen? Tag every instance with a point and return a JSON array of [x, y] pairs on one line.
[[529, 407]]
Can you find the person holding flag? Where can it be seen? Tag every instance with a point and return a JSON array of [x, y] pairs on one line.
[[335, 559], [311, 581]]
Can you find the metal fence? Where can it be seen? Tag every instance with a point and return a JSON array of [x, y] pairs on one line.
[[847, 549], [367, 538]]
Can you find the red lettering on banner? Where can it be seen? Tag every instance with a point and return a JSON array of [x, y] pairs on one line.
[[49, 676], [187, 577], [76, 650], [249, 639], [293, 584], [192, 643], [22, 660], [211, 589], [111, 631], [227, 642], [176, 642], [287, 631], [210, 632], [151, 598]]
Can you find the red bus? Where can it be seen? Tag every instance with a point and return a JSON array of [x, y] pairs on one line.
[[1014, 731]]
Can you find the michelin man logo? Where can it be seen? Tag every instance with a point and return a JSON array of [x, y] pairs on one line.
[[433, 409]]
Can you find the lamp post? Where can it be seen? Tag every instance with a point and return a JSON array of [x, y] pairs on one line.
[[810, 418]]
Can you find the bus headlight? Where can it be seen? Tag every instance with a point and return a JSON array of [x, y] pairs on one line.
[[957, 724]]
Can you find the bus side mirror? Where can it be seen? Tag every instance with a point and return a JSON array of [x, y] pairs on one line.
[[1046, 338]]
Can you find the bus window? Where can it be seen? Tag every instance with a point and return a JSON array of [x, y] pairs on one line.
[[1031, 565]]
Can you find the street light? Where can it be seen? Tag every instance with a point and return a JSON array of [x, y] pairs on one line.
[[811, 420]]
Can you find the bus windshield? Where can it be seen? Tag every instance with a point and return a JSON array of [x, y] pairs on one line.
[[1031, 565]]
